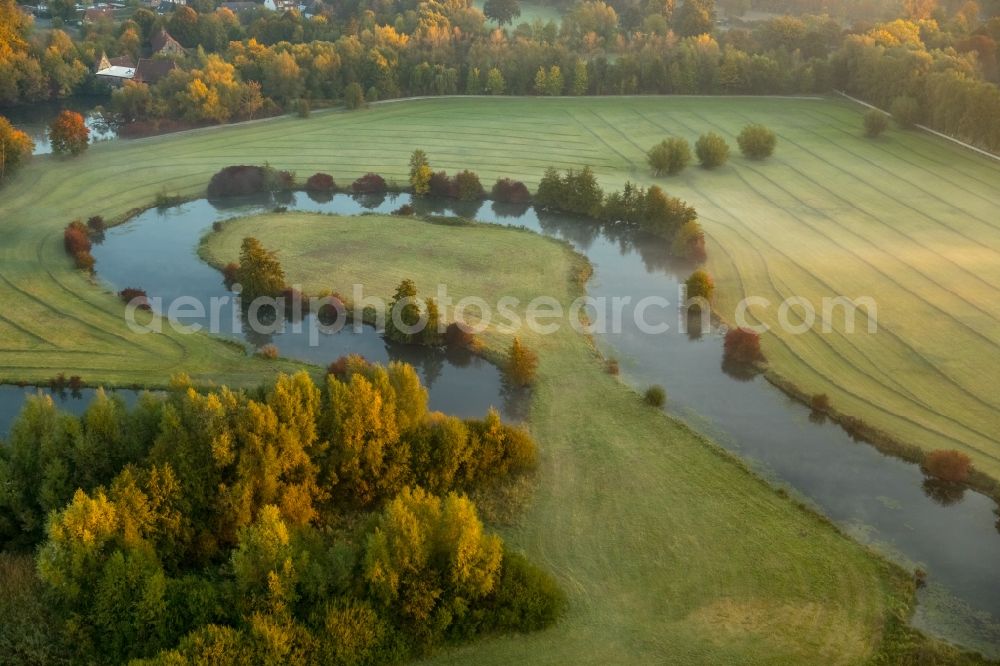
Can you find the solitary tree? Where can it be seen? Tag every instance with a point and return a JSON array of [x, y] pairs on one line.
[[354, 96], [15, 148], [420, 173], [700, 285], [670, 156], [712, 150], [757, 141], [502, 11], [260, 273], [405, 309], [875, 123], [68, 133], [522, 364]]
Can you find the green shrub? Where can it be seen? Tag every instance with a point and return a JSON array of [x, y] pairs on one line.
[[712, 150], [527, 598], [670, 156], [655, 396], [756, 141], [875, 123]]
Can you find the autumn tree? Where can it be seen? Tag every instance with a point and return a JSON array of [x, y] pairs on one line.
[[522, 364], [670, 156], [689, 242], [756, 141], [15, 148], [700, 285], [468, 187], [420, 173], [712, 150], [354, 96], [367, 460], [695, 17], [260, 272], [742, 347], [429, 560], [948, 465], [69, 134], [502, 11]]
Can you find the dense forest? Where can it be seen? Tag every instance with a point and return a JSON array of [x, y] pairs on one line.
[[294, 524], [943, 57]]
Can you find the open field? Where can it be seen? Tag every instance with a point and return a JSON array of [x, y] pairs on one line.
[[668, 549]]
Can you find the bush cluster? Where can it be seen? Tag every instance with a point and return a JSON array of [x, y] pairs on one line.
[[506, 190], [321, 182], [370, 183], [129, 294], [240, 180], [76, 240], [756, 141]]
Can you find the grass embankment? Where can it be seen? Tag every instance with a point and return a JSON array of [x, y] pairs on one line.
[[670, 551]]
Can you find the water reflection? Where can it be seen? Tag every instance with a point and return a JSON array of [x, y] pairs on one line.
[[35, 119]]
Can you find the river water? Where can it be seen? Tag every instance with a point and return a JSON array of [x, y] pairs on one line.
[[878, 499]]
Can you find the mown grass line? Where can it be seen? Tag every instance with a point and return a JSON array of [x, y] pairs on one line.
[[803, 268], [784, 344], [912, 147], [866, 184]]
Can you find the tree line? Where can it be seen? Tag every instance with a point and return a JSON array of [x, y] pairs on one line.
[[259, 62]]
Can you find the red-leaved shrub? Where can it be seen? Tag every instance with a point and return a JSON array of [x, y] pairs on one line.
[[128, 294], [948, 465], [370, 183], [442, 185], [238, 181], [742, 346], [511, 191], [321, 182], [231, 273], [76, 238]]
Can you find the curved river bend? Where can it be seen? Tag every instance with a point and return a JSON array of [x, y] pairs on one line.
[[878, 499]]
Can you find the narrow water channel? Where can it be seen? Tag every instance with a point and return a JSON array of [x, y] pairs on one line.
[[878, 499]]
